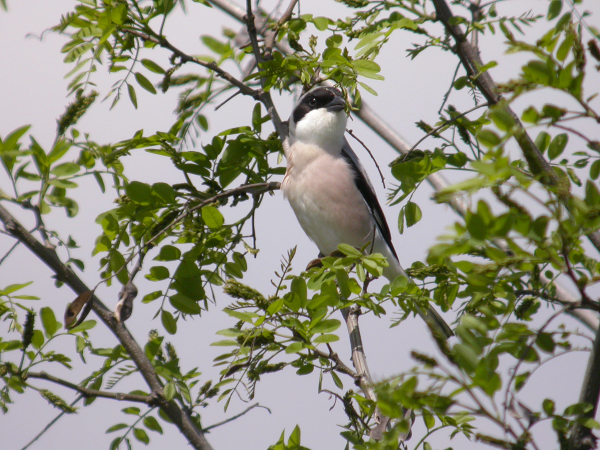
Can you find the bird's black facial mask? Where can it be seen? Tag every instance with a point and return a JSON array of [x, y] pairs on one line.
[[321, 97]]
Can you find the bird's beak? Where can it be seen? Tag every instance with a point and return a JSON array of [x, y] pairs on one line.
[[337, 104]]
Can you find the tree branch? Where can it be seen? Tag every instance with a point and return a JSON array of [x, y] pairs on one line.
[[581, 437], [147, 399], [232, 418], [163, 42], [49, 425], [339, 365], [65, 274], [469, 56], [265, 96], [363, 376]]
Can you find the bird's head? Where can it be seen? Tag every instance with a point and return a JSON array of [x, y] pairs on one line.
[[319, 118]]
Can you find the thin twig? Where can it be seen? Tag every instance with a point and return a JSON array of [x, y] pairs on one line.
[[339, 366], [436, 129], [255, 189], [218, 424], [271, 35], [87, 393], [64, 273], [184, 57], [447, 94], [350, 132], [52, 422], [571, 130], [469, 56], [7, 254]]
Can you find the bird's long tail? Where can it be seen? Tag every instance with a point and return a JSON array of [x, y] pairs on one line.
[[437, 325]]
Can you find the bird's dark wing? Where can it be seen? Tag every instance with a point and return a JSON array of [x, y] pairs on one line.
[[365, 187]]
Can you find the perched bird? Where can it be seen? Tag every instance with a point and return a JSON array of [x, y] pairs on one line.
[[329, 189]]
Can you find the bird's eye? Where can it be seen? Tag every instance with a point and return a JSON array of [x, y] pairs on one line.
[[312, 101]]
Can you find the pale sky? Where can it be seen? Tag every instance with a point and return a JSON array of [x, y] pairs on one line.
[[33, 90]]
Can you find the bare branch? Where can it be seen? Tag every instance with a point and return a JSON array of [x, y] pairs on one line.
[[339, 365], [469, 56], [147, 399], [436, 129], [65, 274], [244, 89], [581, 436], [271, 35], [363, 376], [49, 425], [231, 419]]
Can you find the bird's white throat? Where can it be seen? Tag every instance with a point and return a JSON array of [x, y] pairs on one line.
[[322, 128]]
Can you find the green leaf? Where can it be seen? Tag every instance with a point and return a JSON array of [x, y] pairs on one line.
[[49, 322], [554, 9], [158, 273], [428, 419], [294, 348], [557, 145], [169, 391], [488, 138], [240, 315], [13, 288], [139, 192], [466, 357], [65, 169], [13, 138], [294, 440], [542, 141], [595, 170], [133, 410], [83, 326], [214, 45], [321, 23], [152, 66], [337, 380], [145, 83], [367, 69], [460, 83], [348, 250], [119, 13], [132, 95], [476, 226], [548, 406], [168, 253], [152, 424], [141, 435], [412, 213], [184, 304], [212, 217], [326, 326], [225, 343], [257, 118], [117, 427], [326, 339], [545, 342], [168, 322], [368, 88]]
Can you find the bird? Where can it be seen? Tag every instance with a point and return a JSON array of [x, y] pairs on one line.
[[330, 191]]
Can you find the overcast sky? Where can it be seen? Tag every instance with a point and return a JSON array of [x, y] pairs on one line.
[[33, 91]]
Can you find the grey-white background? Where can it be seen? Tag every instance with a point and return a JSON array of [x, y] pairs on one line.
[[32, 91]]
